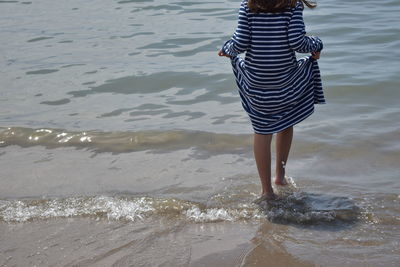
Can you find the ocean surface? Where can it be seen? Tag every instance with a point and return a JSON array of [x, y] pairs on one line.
[[123, 141]]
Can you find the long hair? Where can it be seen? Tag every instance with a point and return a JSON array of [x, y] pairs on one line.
[[273, 6]]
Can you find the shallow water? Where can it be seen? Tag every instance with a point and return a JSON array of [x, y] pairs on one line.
[[119, 123]]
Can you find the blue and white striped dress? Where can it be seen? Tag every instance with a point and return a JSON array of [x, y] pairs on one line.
[[277, 90]]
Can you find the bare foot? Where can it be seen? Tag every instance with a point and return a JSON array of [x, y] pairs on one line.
[[266, 196], [281, 182]]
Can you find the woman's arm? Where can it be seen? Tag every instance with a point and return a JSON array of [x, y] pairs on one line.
[[298, 40], [240, 40]]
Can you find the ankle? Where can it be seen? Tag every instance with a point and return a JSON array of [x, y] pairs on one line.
[[267, 192], [280, 175], [280, 171]]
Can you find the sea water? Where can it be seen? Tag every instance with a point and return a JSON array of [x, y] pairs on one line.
[[119, 122]]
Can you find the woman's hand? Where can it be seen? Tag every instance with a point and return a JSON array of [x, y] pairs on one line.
[[315, 55], [222, 54]]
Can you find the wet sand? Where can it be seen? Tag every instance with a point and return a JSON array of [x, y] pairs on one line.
[[98, 242], [90, 242]]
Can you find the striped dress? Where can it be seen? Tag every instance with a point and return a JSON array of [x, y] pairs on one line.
[[276, 90]]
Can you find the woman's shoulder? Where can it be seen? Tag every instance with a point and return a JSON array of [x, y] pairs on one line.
[[244, 4], [299, 5], [244, 8]]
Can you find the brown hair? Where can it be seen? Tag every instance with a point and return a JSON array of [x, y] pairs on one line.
[[273, 6]]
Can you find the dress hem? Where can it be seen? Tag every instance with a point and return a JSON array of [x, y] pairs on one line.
[[284, 128]]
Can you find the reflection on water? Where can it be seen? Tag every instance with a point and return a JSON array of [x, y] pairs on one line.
[[268, 243]]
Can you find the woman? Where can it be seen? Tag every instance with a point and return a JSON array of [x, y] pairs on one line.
[[277, 90]]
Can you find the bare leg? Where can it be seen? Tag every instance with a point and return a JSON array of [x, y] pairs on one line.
[[262, 154], [283, 143]]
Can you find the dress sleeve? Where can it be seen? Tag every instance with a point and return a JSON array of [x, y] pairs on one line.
[[240, 40], [298, 40]]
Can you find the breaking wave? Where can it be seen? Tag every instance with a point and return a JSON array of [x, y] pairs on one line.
[[123, 142], [119, 208], [298, 207]]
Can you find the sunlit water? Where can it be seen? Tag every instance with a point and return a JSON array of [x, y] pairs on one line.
[[121, 111]]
